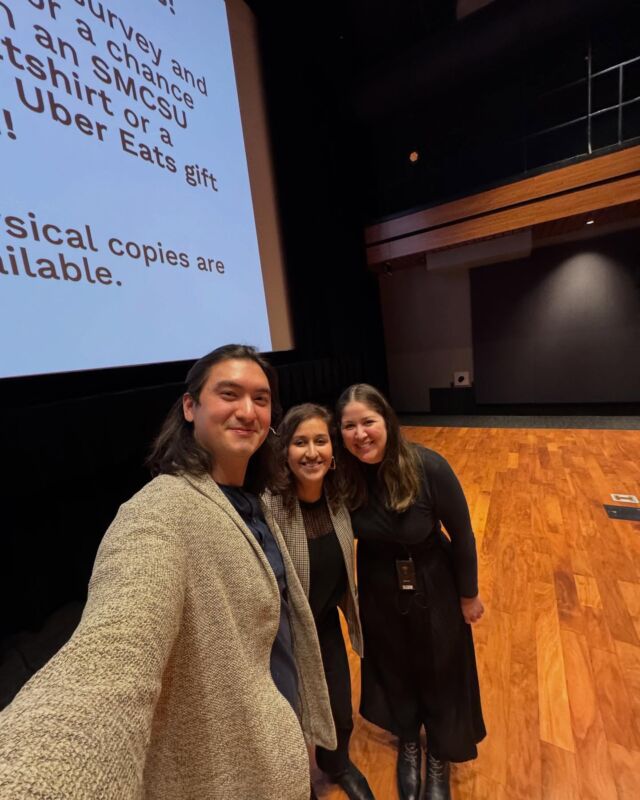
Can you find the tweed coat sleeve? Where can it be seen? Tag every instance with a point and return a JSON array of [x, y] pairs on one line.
[[349, 603], [80, 729], [295, 537]]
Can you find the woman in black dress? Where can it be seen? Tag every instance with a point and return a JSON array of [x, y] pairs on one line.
[[418, 592], [306, 501]]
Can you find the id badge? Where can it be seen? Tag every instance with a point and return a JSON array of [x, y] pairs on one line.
[[406, 571]]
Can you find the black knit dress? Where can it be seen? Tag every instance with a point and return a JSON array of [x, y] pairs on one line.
[[419, 666]]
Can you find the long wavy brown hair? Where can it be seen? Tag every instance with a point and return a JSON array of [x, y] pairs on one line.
[[282, 481], [399, 472], [175, 449]]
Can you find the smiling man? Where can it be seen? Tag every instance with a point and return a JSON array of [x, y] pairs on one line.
[[196, 667], [231, 416]]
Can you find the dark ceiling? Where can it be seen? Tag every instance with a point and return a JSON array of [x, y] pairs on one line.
[[361, 86], [362, 33], [384, 53]]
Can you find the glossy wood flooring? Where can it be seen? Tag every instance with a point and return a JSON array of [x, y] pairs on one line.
[[559, 647]]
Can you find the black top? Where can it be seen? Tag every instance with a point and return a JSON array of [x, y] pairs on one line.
[[328, 575], [283, 667], [441, 500], [420, 665]]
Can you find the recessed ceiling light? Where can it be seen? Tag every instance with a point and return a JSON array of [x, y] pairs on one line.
[[590, 221]]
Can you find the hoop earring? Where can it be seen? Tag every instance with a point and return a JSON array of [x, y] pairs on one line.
[[273, 430], [332, 463]]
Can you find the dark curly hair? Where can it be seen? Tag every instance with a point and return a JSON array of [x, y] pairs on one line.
[[175, 449], [282, 481]]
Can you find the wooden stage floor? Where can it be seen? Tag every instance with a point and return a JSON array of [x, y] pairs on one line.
[[559, 647]]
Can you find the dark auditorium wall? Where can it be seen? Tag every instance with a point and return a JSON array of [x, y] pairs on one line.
[[511, 91], [562, 326], [427, 322], [333, 297]]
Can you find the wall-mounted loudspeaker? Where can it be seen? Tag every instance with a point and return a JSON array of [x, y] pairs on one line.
[[461, 379]]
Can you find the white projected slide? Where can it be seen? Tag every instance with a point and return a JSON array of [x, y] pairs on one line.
[[127, 233]]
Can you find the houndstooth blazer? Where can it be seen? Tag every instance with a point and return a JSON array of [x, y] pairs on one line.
[[293, 532]]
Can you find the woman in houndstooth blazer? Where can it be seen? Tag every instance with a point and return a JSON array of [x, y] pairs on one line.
[[306, 501]]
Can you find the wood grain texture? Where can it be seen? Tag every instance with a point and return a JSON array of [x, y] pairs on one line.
[[559, 775], [559, 647], [626, 767], [553, 699], [587, 589], [574, 176], [631, 595], [613, 699], [595, 775], [585, 200]]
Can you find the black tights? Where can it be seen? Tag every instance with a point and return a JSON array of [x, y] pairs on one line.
[[336, 670]]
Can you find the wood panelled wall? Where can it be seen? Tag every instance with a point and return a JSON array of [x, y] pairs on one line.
[[597, 183]]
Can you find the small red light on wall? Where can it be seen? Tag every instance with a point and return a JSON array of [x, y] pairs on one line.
[[414, 156]]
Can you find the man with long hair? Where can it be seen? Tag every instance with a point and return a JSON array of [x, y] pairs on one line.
[[196, 662]]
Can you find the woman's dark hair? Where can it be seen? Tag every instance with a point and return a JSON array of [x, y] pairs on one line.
[[399, 471], [175, 449], [282, 481]]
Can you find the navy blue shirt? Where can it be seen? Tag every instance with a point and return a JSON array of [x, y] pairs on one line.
[[283, 667]]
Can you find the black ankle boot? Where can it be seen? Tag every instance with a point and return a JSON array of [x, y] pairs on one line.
[[437, 779], [409, 761], [353, 783]]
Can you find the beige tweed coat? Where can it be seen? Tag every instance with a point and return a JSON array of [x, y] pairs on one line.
[[292, 528], [164, 692]]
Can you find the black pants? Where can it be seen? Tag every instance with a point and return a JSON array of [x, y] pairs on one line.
[[336, 670]]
